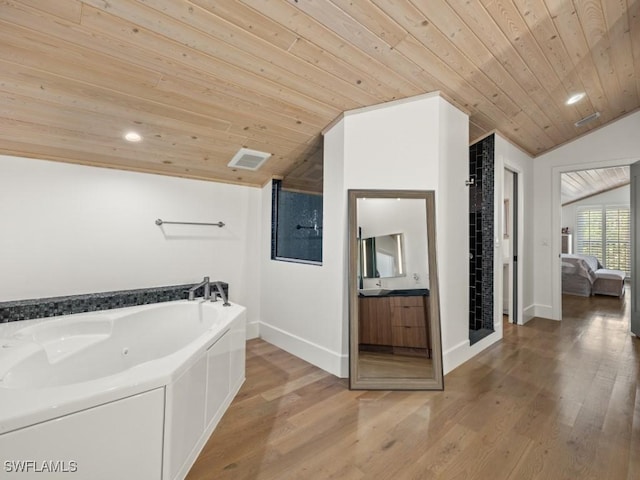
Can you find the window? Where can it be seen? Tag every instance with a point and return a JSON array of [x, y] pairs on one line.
[[589, 226], [605, 233], [296, 226], [618, 239]]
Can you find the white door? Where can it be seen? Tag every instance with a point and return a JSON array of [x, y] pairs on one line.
[[635, 248]]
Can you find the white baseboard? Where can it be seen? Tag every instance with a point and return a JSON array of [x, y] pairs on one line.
[[253, 330], [332, 362], [528, 313], [543, 311], [457, 355]]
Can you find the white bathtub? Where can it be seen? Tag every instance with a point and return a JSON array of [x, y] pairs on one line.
[[127, 393]]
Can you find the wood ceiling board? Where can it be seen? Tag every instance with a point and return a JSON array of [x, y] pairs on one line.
[[68, 9], [93, 105], [195, 65], [151, 59], [595, 31], [534, 76], [582, 184], [634, 33], [544, 33], [618, 31], [568, 25], [83, 154], [260, 58], [248, 19], [313, 32], [316, 55], [32, 49], [272, 74]]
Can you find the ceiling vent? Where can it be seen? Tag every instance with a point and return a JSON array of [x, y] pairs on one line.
[[587, 119], [248, 159]]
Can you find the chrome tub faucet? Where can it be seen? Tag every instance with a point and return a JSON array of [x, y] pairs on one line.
[[220, 289], [207, 289]]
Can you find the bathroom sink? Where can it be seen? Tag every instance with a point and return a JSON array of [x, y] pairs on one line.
[[373, 292]]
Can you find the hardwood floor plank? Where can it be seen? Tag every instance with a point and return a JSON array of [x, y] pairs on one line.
[[552, 400]]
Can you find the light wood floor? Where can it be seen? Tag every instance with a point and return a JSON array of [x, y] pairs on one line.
[[553, 400], [390, 365]]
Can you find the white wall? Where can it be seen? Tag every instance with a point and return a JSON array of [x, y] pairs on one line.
[[617, 196], [71, 229], [510, 157], [615, 144], [303, 307], [425, 141]]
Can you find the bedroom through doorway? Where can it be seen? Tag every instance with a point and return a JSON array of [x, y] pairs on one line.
[[595, 238]]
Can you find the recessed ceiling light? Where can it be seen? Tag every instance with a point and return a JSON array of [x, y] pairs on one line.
[[132, 137], [575, 98]]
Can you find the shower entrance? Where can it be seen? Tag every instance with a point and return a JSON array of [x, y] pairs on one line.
[[481, 228]]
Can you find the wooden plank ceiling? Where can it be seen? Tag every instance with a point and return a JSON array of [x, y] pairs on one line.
[[575, 186], [198, 79]]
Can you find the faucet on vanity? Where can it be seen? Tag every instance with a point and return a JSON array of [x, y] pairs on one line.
[[206, 283]]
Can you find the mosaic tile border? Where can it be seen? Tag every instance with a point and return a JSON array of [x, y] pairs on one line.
[[53, 306]]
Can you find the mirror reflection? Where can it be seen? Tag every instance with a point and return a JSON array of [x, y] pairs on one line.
[[394, 309], [382, 256]]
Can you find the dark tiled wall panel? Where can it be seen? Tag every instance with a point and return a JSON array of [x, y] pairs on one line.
[[296, 225], [91, 302], [481, 227]]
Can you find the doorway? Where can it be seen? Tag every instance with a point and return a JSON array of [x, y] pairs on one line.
[[510, 246], [595, 233]]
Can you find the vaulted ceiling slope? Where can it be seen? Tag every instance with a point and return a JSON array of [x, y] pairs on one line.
[[199, 79], [578, 185]]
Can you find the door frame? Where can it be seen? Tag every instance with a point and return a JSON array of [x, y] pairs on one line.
[[518, 226], [556, 223]]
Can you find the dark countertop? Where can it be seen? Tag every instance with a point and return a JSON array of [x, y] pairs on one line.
[[404, 292]]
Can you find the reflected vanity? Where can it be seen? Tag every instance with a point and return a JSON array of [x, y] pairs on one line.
[[393, 291]]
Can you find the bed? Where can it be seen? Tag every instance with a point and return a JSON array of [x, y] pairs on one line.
[[583, 275], [578, 274]]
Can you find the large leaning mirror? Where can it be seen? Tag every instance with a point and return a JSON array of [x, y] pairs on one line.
[[394, 310]]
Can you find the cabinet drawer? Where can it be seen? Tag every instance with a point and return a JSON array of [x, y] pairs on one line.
[[408, 316], [417, 301], [415, 337]]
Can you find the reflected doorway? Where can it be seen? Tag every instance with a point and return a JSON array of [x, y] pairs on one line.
[[510, 247]]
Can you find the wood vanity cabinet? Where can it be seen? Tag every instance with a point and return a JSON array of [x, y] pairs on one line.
[[409, 322], [396, 322], [374, 325]]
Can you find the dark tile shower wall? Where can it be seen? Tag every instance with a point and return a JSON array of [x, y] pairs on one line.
[[297, 223], [91, 302], [481, 228]]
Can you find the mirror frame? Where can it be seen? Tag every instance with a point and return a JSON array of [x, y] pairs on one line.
[[400, 383]]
